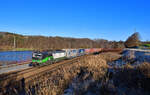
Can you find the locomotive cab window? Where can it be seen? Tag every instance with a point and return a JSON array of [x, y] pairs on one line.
[[37, 56]]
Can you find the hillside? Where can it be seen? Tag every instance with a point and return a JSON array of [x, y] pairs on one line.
[[45, 42]]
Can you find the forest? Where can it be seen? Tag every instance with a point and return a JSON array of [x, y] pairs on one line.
[[48, 42]]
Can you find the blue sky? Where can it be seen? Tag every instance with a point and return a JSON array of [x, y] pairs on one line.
[[107, 19]]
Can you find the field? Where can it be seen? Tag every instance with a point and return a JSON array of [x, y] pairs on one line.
[[145, 46], [107, 73], [93, 76], [148, 45], [16, 49]]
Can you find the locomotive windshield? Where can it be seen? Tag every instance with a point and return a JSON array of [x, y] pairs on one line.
[[40, 55], [37, 56]]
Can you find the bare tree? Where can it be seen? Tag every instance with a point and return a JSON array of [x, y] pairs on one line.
[[45, 42], [133, 40]]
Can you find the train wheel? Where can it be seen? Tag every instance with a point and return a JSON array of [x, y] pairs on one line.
[[34, 65], [50, 62], [40, 64]]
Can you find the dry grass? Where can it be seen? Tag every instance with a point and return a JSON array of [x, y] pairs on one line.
[[96, 65], [110, 56], [128, 80], [89, 68], [54, 83], [145, 69], [92, 67]]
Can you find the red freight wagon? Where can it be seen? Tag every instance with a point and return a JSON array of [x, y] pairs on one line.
[[87, 51], [92, 50], [98, 49]]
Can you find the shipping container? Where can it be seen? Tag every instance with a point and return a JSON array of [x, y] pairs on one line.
[[71, 52], [81, 52], [59, 54]]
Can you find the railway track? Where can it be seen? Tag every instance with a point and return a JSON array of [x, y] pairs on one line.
[[31, 73], [17, 64]]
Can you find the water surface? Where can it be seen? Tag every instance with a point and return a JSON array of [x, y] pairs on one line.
[[14, 56]]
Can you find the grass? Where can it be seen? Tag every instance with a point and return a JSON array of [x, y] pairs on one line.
[[127, 79], [110, 56], [23, 49], [92, 74], [145, 45], [55, 82], [131, 80], [16, 49], [148, 45]]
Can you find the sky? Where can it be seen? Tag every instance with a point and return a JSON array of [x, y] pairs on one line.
[[104, 19]]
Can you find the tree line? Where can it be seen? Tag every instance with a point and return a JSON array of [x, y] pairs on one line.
[[46, 43]]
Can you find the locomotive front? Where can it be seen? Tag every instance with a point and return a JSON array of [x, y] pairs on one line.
[[40, 58]]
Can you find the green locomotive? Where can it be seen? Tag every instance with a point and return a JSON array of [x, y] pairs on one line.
[[48, 57]]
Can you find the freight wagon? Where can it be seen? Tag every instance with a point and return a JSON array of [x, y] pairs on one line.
[[71, 53], [92, 50], [81, 52]]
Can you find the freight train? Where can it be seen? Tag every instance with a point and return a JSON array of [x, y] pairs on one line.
[[50, 57]]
